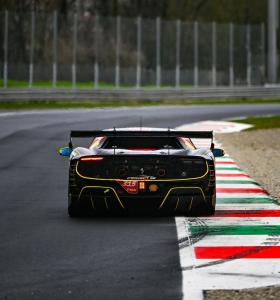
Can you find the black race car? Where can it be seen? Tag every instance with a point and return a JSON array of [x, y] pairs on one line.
[[141, 170]]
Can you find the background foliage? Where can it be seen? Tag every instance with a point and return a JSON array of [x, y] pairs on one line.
[[238, 11]]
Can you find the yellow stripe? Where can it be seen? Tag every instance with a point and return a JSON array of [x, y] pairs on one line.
[[147, 180], [106, 202], [101, 187], [92, 203], [119, 200], [181, 187], [177, 203]]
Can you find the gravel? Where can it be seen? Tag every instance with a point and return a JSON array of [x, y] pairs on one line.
[[248, 294], [257, 153]]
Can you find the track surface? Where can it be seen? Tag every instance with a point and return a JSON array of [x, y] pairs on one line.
[[43, 253]]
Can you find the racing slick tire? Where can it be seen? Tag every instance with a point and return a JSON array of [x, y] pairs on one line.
[[205, 209], [209, 209], [74, 207], [74, 211]]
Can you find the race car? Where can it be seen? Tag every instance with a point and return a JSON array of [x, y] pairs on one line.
[[129, 171]]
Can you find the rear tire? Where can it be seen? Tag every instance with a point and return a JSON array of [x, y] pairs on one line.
[[205, 208], [74, 211], [211, 207]]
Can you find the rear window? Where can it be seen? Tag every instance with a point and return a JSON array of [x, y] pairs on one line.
[[187, 143], [142, 143]]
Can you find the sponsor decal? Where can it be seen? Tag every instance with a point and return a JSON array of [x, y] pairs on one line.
[[144, 177], [130, 186]]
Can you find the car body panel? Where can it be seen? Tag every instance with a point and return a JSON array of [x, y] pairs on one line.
[[158, 181]]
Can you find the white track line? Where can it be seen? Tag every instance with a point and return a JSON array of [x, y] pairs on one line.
[[246, 206], [244, 240], [248, 221], [242, 196]]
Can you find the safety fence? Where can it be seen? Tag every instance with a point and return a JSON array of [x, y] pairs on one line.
[[89, 51]]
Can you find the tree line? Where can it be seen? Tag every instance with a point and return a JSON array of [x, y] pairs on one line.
[[237, 11]]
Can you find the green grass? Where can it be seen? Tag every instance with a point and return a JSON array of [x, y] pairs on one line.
[[68, 84], [265, 122], [48, 84], [93, 104], [61, 104]]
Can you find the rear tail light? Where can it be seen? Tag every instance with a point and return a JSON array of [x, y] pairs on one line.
[[92, 158]]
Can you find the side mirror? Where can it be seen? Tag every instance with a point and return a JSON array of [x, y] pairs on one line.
[[218, 152], [65, 151]]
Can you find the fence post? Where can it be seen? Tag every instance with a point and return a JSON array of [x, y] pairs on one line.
[[249, 56], [31, 63], [118, 44], [96, 62], [74, 53], [6, 39], [54, 79], [178, 48], [139, 46], [272, 40], [196, 54], [214, 54], [158, 46], [263, 60], [231, 56]]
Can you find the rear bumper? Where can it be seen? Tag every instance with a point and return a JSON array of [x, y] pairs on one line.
[[172, 196], [177, 200]]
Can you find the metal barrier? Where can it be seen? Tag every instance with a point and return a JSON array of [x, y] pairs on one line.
[[137, 94]]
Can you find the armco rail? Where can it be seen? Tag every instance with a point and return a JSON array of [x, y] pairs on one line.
[[127, 94]]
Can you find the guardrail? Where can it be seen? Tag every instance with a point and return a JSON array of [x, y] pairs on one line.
[[127, 94]]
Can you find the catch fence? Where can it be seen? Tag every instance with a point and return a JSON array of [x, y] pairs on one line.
[[40, 49]]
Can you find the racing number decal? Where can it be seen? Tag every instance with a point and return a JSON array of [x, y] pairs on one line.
[[131, 186]]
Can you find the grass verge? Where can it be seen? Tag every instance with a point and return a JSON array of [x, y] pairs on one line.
[[265, 122], [68, 84], [94, 104], [48, 84]]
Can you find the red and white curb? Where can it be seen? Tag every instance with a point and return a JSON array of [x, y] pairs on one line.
[[238, 247], [216, 126]]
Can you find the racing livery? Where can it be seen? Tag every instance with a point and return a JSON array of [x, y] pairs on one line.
[[141, 170]]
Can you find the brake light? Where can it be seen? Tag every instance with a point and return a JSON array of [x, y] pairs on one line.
[[93, 158]]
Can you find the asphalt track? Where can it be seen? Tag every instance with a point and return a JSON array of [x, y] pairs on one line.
[[46, 255]]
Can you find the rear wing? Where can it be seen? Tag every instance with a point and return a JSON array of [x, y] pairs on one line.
[[123, 133]]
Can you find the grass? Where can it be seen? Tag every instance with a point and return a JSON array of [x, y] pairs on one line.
[[48, 84], [266, 122], [68, 84], [94, 104], [62, 104]]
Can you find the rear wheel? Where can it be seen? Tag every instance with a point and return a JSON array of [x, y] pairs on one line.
[[211, 206], [74, 209], [205, 208]]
